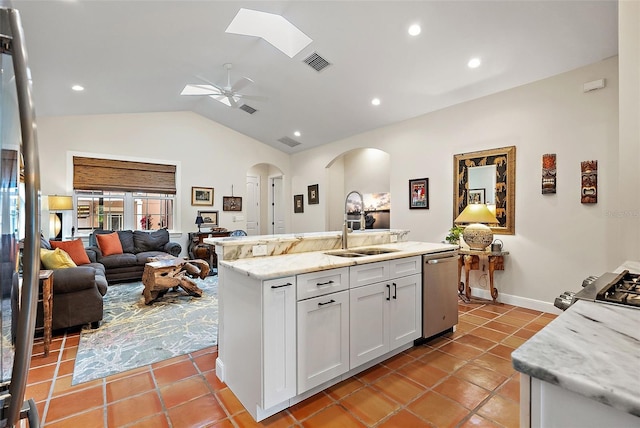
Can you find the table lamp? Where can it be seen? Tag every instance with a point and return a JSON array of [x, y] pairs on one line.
[[199, 221], [56, 204], [477, 234]]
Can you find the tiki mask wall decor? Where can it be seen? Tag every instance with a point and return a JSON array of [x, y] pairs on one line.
[[549, 173], [589, 187]]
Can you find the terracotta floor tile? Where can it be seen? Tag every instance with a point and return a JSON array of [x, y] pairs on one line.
[[215, 383], [66, 367], [69, 353], [170, 361], [72, 339], [484, 313], [461, 350], [470, 318], [63, 385], [423, 374], [525, 311], [166, 374], [394, 363], [477, 421], [133, 372], [511, 320], [41, 360], [279, 420], [155, 421], [465, 327], [463, 392], [369, 406], [180, 392], [524, 333], [229, 401], [489, 334], [502, 351], [335, 416], [133, 409], [225, 423], [514, 341], [198, 412], [76, 402], [209, 350], [344, 388], [443, 361], [438, 410], [38, 391], [498, 308], [497, 364], [41, 374], [500, 326], [373, 374], [488, 379], [435, 343], [310, 406], [502, 411], [420, 351], [404, 419], [399, 388], [511, 389], [206, 362], [129, 386], [476, 342], [93, 418]]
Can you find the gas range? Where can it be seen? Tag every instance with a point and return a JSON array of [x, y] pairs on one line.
[[614, 288]]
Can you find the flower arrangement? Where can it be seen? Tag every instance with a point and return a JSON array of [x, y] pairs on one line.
[[145, 222]]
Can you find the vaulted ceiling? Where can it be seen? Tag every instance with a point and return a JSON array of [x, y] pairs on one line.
[[137, 56]]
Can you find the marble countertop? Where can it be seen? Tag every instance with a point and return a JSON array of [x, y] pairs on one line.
[[293, 264], [288, 237], [592, 349]]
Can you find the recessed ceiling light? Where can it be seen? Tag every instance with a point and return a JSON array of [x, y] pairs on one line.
[[375, 101], [414, 30], [474, 63], [77, 88], [297, 133]]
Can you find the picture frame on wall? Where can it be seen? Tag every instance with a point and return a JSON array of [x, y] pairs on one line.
[[476, 196], [231, 203], [313, 194], [419, 193], [210, 218], [298, 203], [202, 196]]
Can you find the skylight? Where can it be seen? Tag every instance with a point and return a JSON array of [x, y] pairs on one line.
[[274, 29]]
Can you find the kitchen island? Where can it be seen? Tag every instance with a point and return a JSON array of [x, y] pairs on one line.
[[583, 369], [296, 322]]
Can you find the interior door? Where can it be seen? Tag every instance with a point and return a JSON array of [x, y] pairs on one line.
[[253, 205], [277, 209]]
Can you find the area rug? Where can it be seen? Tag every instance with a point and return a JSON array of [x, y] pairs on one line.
[[133, 334]]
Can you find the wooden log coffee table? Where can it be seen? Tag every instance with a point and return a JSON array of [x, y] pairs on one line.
[[171, 272]]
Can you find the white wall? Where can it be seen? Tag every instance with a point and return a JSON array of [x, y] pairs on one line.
[[558, 240], [208, 154]]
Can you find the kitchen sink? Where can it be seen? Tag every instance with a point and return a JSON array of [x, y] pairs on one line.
[[360, 252], [344, 253]]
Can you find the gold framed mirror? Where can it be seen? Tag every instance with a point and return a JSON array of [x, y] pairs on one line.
[[487, 176]]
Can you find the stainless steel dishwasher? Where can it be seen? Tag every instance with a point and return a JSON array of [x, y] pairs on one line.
[[439, 292]]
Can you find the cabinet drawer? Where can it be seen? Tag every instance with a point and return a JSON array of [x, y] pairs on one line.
[[368, 274], [319, 283], [405, 266]]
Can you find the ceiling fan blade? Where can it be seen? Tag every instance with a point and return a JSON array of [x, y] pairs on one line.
[[222, 98], [200, 90], [243, 82], [232, 101]]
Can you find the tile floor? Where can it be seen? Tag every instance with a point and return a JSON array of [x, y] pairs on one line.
[[464, 379]]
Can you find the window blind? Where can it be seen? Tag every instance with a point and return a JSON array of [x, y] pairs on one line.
[[119, 175]]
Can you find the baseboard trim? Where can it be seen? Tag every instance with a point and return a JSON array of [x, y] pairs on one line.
[[523, 302]]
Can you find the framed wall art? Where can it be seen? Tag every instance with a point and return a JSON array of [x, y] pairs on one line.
[[313, 194], [419, 193], [210, 218], [298, 203], [477, 196], [202, 196], [231, 203]]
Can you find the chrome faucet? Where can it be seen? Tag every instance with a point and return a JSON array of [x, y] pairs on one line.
[[345, 227]]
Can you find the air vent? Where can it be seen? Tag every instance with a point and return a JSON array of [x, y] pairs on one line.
[[316, 62], [289, 141], [247, 108]]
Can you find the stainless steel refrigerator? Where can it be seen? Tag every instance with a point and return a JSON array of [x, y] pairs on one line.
[[19, 222]]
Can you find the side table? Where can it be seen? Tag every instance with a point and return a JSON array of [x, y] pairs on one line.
[[199, 250], [46, 279], [470, 259]]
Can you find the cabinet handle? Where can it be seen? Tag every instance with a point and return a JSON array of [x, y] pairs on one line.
[[280, 286], [320, 284], [326, 303], [388, 292], [395, 291]]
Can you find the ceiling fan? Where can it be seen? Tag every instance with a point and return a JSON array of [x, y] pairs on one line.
[[228, 95]]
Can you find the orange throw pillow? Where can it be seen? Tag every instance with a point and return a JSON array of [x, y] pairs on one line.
[[109, 243], [74, 248]]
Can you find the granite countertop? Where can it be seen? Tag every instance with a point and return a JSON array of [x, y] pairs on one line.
[[592, 349], [292, 264]]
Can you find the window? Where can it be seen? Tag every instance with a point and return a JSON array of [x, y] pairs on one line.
[[97, 209]]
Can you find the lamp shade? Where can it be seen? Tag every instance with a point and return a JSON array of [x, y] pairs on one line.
[[477, 234], [199, 220], [60, 203]]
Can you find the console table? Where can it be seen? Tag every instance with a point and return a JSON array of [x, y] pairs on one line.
[[470, 259], [199, 250]]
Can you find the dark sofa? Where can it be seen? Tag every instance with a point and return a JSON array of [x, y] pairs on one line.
[[137, 247]]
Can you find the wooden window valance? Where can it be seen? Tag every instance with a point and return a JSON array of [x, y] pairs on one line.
[[118, 175]]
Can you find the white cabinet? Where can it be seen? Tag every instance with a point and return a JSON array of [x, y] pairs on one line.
[[279, 340], [323, 282], [384, 315], [323, 339]]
